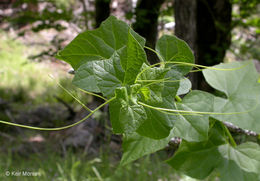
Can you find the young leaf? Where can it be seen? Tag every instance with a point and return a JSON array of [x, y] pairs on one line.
[[135, 58], [152, 80], [157, 125], [125, 115]]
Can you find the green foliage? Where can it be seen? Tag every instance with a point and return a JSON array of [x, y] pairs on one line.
[[111, 60], [199, 159]]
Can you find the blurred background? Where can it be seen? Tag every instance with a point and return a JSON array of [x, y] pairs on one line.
[[31, 33]]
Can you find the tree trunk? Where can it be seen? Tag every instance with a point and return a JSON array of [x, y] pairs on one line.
[[186, 27], [102, 11], [147, 13], [206, 26]]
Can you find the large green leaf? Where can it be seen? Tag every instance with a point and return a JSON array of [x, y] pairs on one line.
[[98, 44], [173, 49], [136, 146], [200, 159], [242, 161], [243, 94], [194, 127]]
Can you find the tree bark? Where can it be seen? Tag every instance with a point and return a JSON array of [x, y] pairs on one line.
[[147, 13], [206, 26], [102, 11], [186, 27]]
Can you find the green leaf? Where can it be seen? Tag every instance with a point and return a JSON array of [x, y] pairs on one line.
[[85, 78], [100, 76], [246, 156], [185, 86], [194, 127], [125, 115], [162, 84], [136, 146], [151, 80], [200, 159], [173, 49], [135, 58], [98, 44], [242, 91], [157, 125], [171, 86]]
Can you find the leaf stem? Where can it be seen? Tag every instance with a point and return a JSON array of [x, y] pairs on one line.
[[178, 99], [231, 139], [93, 94], [60, 128]]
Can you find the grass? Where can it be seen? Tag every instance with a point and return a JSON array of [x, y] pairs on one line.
[[80, 167]]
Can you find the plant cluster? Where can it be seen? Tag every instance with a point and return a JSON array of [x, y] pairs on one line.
[[146, 108]]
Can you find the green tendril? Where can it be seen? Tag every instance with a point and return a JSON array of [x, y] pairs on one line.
[[93, 94], [193, 112], [179, 114], [68, 92], [163, 63], [59, 128], [148, 48]]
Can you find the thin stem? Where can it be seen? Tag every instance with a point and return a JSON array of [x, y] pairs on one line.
[[179, 114], [158, 54], [60, 128], [178, 99], [74, 97], [93, 94], [192, 112], [231, 139]]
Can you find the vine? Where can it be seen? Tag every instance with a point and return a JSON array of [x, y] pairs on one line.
[[146, 108]]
